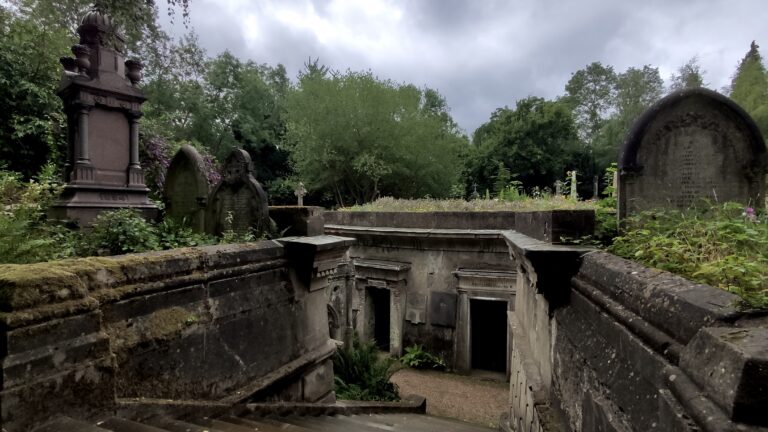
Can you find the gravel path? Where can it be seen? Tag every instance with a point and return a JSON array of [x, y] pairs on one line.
[[470, 398]]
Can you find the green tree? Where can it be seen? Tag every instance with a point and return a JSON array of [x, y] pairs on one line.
[[591, 92], [636, 90], [535, 141], [689, 75], [356, 137], [749, 87], [32, 120]]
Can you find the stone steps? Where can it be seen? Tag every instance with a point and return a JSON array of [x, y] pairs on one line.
[[294, 423]]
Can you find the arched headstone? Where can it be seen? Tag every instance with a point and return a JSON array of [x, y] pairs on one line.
[[238, 202], [693, 144], [186, 188]]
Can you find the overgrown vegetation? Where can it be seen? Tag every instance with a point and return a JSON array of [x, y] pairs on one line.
[[389, 204], [416, 357], [362, 373], [27, 235], [723, 245]]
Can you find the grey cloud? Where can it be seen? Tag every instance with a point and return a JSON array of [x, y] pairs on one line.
[[482, 55]]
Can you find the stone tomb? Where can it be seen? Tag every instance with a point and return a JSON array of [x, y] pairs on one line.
[[693, 144], [238, 202], [186, 188], [102, 102]]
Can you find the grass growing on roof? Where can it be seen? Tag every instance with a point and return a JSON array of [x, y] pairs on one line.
[[388, 204]]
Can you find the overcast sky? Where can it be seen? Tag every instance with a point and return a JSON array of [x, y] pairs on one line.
[[483, 54]]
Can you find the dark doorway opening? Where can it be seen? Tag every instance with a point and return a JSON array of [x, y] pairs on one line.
[[380, 299], [488, 323]]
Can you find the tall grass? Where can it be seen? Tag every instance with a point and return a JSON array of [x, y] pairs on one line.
[[388, 204]]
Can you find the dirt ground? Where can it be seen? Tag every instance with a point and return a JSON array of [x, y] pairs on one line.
[[478, 398]]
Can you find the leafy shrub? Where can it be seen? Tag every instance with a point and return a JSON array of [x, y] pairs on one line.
[[172, 234], [362, 374], [417, 358], [25, 234], [118, 232], [722, 245]]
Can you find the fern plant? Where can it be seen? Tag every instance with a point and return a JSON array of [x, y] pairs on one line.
[[361, 373]]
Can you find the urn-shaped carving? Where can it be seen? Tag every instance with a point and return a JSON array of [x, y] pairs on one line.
[[133, 70], [70, 64], [82, 58]]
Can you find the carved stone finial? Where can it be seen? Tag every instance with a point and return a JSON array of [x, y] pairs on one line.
[[82, 58], [70, 64], [133, 68]]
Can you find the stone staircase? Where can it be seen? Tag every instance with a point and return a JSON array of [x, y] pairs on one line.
[[294, 423]]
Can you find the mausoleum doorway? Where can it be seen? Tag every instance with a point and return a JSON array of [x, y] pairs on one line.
[[488, 334], [482, 337], [381, 316]]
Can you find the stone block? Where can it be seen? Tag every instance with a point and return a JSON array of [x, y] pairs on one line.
[[318, 383], [556, 226], [731, 364], [442, 309], [498, 220], [297, 221]]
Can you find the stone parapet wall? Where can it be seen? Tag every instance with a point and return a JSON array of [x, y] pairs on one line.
[[551, 225], [218, 323], [607, 344]]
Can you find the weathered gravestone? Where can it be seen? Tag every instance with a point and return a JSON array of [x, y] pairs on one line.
[[237, 203], [693, 144], [102, 102], [186, 188]]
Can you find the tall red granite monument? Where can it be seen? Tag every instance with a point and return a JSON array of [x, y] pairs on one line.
[[103, 106]]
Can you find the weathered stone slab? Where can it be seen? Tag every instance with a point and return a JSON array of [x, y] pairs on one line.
[[186, 188], [297, 221], [442, 309], [556, 226], [416, 308], [319, 382], [693, 144], [732, 365]]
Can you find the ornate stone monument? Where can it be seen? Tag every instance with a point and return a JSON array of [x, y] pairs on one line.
[[238, 202], [103, 106], [693, 144], [186, 188]]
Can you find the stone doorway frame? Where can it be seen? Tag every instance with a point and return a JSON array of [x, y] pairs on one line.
[[496, 285], [391, 275]]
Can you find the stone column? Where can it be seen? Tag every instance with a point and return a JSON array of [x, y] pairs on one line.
[[134, 140], [82, 127], [83, 172], [396, 317], [135, 174], [462, 349]]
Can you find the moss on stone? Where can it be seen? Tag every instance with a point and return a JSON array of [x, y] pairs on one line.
[[28, 285]]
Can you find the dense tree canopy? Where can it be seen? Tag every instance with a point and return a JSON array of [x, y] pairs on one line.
[[360, 137], [535, 142], [31, 121]]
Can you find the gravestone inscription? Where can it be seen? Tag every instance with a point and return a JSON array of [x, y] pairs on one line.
[[692, 145], [237, 203], [186, 189]]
